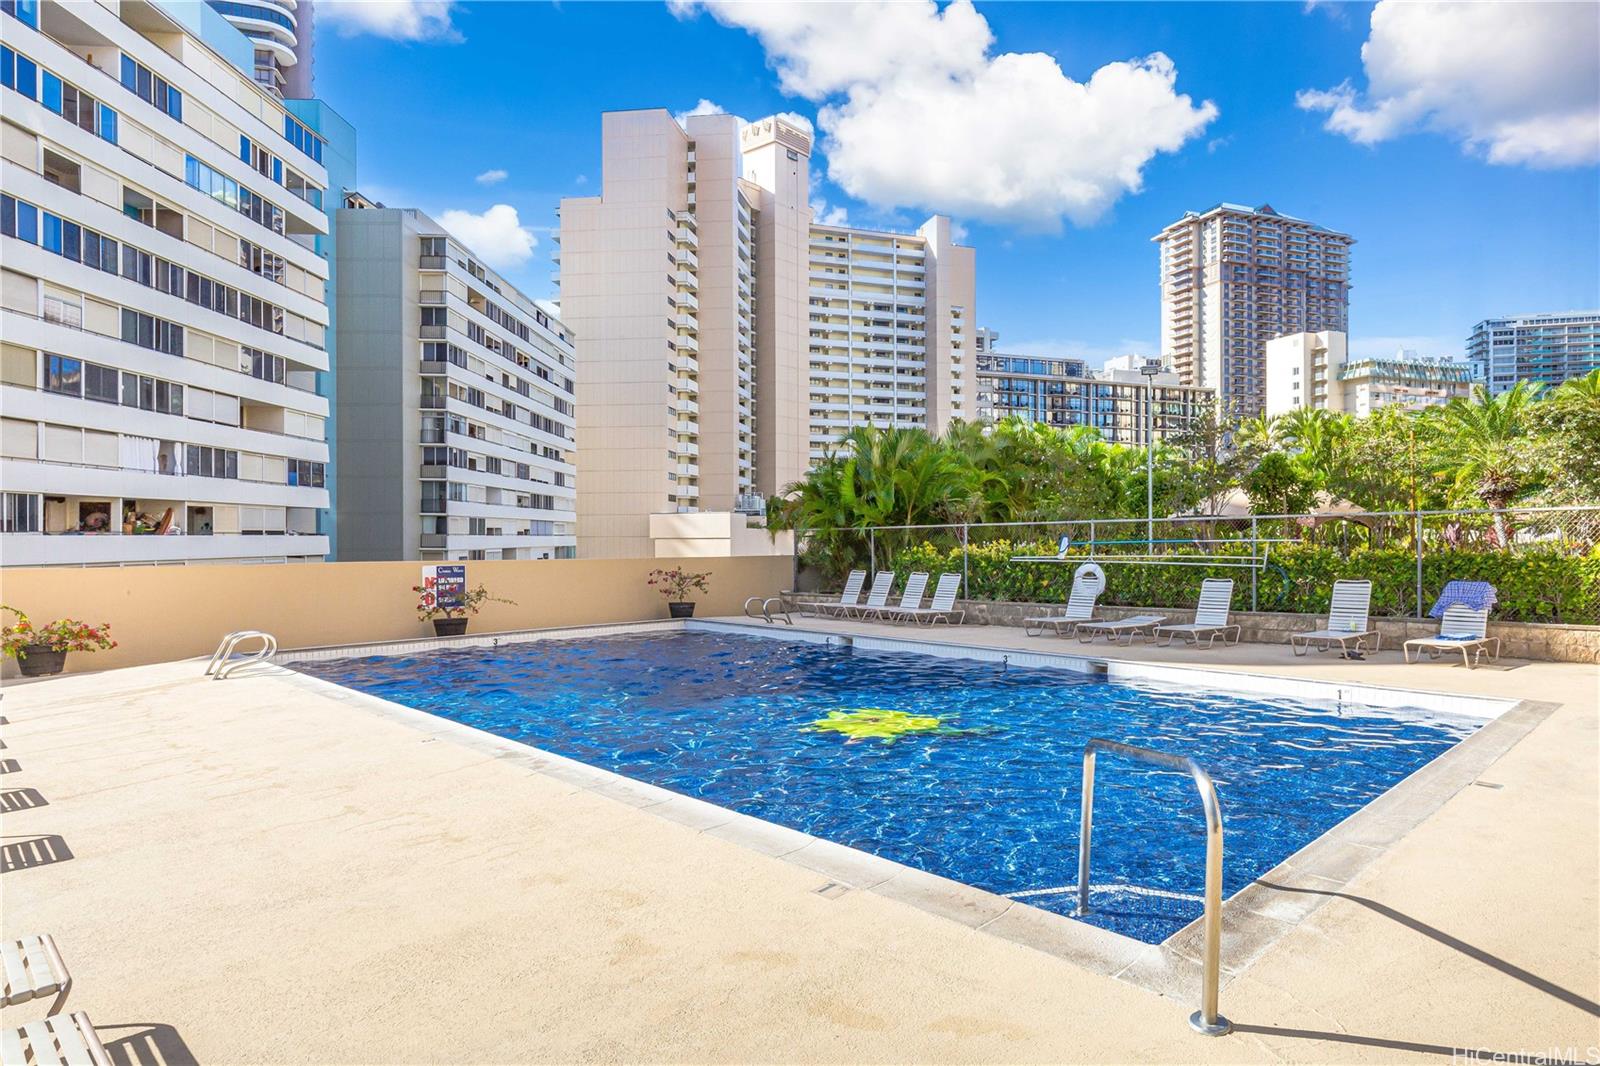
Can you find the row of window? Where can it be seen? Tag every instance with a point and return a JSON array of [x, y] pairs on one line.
[[91, 381], [271, 167], [436, 493], [148, 331], [302, 138], [150, 87], [68, 239], [226, 191], [22, 74]]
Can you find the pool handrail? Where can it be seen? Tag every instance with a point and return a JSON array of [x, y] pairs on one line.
[[1206, 1020], [222, 663]]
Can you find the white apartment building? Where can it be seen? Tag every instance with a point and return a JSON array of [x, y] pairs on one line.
[[456, 409], [725, 338], [280, 37], [1314, 370], [164, 313], [1233, 278], [891, 331], [1549, 348]]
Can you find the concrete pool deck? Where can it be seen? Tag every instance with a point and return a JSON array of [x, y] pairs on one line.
[[256, 871]]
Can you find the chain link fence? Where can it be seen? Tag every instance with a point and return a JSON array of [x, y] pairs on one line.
[[1543, 561]]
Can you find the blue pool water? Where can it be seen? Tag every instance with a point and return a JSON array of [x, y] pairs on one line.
[[992, 803]]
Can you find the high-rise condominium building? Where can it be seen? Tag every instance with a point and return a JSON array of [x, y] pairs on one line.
[[164, 312], [1550, 348], [1233, 278], [280, 35], [456, 401], [725, 338], [1314, 370], [1064, 392]]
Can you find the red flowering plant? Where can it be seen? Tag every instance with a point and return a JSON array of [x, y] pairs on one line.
[[65, 634], [472, 601], [677, 583]]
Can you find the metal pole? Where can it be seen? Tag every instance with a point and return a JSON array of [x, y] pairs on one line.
[[1255, 554], [966, 591], [1150, 465], [872, 554], [1206, 1020], [1416, 535]]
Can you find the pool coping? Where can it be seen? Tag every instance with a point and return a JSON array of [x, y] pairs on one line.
[[1254, 919]]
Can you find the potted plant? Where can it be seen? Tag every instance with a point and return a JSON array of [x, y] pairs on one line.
[[676, 585], [452, 621], [42, 650]]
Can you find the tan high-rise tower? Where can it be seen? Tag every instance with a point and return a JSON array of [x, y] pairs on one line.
[[728, 340]]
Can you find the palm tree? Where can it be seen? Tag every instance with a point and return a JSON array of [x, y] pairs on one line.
[[1482, 447]]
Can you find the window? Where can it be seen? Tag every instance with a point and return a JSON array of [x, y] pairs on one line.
[[99, 383], [302, 138], [24, 11], [266, 367], [20, 513], [63, 374], [230, 193], [147, 331], [433, 497], [305, 473], [210, 462], [151, 394]]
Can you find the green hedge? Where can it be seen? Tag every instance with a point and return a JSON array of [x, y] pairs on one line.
[[1537, 585]]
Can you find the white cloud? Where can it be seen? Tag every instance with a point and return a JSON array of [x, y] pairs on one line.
[[916, 111], [829, 214], [497, 235], [398, 20], [704, 107], [1514, 82], [492, 177]]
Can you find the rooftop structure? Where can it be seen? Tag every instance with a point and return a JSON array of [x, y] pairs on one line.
[[280, 33], [1313, 370]]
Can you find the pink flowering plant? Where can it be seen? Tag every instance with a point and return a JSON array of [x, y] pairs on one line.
[[472, 601], [676, 584], [65, 634]]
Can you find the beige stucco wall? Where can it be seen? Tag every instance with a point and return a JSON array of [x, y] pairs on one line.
[[162, 613]]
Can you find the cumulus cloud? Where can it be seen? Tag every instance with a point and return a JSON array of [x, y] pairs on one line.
[[398, 20], [492, 177], [1516, 83], [827, 214], [916, 110], [704, 107], [497, 235]]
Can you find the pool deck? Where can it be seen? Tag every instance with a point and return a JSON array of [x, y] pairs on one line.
[[259, 871]]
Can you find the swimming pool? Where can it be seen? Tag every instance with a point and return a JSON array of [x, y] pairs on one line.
[[964, 768]]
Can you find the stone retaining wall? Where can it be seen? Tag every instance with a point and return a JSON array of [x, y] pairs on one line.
[[1518, 640]]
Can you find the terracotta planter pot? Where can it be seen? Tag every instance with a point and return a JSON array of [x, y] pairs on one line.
[[682, 610], [449, 627], [39, 660]]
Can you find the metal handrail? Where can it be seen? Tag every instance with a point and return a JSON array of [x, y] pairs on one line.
[[221, 661], [766, 604], [1206, 1020]]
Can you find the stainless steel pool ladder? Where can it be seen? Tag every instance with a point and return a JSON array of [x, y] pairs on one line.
[[766, 604], [1206, 1020], [222, 664]]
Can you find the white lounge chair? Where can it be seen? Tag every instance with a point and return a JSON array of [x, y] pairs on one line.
[[1088, 581], [1461, 629], [941, 609], [849, 596], [1210, 616], [57, 1041], [910, 597], [1348, 622], [1123, 629], [33, 970], [877, 596]]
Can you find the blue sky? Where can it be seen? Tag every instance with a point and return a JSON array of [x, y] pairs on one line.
[[1445, 236]]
